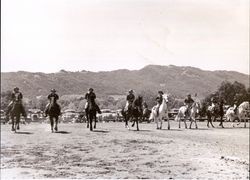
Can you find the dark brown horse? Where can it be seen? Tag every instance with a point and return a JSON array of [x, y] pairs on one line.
[[15, 115], [88, 119], [91, 111], [54, 112], [134, 112]]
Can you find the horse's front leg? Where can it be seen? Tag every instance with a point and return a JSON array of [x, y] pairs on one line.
[[95, 122], [157, 122], [179, 119], [160, 123], [168, 123], [137, 123], [90, 122], [196, 126], [18, 122], [133, 119], [56, 123], [211, 122], [126, 122], [191, 122], [13, 123], [185, 122], [245, 125], [51, 123], [221, 121], [87, 117]]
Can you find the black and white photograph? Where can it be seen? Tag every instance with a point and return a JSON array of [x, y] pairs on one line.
[[125, 89]]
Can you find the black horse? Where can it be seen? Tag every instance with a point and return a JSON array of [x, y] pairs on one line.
[[213, 113], [54, 112], [87, 112], [15, 115], [91, 111], [134, 112]]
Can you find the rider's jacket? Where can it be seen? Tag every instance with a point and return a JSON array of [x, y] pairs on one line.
[[53, 95], [90, 96], [130, 98], [17, 97], [159, 99]]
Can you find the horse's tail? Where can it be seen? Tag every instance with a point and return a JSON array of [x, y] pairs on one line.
[[177, 116], [151, 117]]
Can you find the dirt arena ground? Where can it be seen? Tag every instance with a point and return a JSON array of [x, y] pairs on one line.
[[115, 152]]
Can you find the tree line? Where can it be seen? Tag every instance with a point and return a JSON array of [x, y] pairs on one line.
[[227, 91]]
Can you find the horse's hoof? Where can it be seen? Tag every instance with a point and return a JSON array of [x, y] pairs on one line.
[[12, 129], [56, 129], [18, 128], [94, 127], [168, 128], [138, 130]]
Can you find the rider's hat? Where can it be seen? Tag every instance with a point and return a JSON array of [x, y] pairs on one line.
[[16, 88], [53, 90], [131, 91], [188, 94], [160, 92], [91, 89]]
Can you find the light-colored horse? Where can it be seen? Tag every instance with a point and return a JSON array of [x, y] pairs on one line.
[[163, 113], [181, 114], [241, 113]]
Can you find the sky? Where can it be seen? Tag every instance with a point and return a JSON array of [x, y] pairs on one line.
[[103, 35]]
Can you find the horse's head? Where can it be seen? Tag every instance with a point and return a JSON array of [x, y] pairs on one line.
[[165, 97], [52, 100]]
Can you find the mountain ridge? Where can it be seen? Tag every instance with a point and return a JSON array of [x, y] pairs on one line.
[[177, 80]]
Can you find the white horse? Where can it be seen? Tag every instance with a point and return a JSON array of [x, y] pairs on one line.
[[181, 114], [163, 113], [241, 113]]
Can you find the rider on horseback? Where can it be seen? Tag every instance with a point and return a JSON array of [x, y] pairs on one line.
[[90, 97], [130, 99], [188, 103], [16, 97], [159, 100], [50, 96]]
